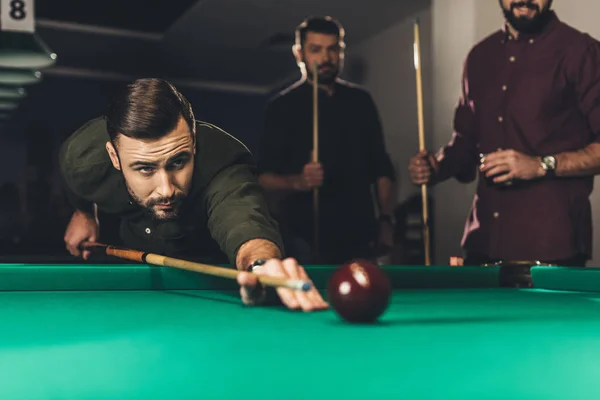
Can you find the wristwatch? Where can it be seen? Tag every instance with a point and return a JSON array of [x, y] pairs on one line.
[[257, 264], [549, 165]]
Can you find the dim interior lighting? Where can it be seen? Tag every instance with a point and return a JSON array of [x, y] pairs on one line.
[[8, 92], [24, 50], [19, 77], [8, 105]]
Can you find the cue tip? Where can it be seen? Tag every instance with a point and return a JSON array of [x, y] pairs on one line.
[[417, 21], [298, 284]]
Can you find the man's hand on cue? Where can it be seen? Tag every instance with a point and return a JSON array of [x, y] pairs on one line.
[[253, 293]]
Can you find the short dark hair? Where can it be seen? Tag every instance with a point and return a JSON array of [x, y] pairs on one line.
[[325, 25], [147, 109]]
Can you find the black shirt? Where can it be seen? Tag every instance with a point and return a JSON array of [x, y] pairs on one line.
[[351, 151]]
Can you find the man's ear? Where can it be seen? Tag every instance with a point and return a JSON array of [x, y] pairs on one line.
[[112, 153]]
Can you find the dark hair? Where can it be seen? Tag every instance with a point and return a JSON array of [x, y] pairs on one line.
[[147, 109], [325, 25]]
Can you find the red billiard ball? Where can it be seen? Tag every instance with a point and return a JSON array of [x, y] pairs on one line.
[[359, 291]]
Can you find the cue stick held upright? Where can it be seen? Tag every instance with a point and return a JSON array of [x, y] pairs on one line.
[[417, 59], [164, 261], [315, 154]]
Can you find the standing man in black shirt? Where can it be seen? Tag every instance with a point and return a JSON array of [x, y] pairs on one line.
[[353, 166]]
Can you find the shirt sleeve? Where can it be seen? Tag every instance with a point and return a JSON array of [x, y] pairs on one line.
[[237, 211], [66, 158], [77, 202], [380, 159], [458, 158], [271, 154], [587, 86]]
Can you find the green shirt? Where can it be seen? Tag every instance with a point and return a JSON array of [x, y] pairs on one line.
[[224, 209]]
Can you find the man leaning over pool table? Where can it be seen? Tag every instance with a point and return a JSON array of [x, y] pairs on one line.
[[180, 187]]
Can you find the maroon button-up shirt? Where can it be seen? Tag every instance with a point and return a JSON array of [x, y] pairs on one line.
[[539, 95]]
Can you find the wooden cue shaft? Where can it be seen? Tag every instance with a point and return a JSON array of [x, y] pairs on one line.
[[315, 155], [425, 207], [157, 259]]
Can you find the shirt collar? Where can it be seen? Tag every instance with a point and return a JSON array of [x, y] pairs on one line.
[[307, 86]]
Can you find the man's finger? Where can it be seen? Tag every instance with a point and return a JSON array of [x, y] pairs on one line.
[[489, 164], [500, 169], [505, 178], [87, 253], [275, 268], [247, 284], [73, 248], [313, 294], [496, 157], [247, 280], [292, 269], [251, 291]]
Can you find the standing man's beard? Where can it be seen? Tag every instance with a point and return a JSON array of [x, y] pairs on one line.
[[524, 24], [326, 77], [165, 215]]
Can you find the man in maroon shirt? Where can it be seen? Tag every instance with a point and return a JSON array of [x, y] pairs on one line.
[[529, 120]]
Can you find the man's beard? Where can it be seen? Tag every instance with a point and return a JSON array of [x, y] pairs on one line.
[[171, 214], [326, 77], [524, 24]]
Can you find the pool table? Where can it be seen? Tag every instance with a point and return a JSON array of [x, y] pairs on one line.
[[130, 331]]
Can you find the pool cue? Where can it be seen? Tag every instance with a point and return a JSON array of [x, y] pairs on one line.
[[315, 154], [164, 261], [417, 59]]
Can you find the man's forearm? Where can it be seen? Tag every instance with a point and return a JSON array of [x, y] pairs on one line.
[[579, 163], [256, 249], [385, 195], [271, 181]]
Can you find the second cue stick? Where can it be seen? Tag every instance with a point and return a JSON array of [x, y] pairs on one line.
[[164, 261], [315, 154], [417, 59]]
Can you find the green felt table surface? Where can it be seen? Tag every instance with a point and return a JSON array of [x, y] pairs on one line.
[[140, 332]]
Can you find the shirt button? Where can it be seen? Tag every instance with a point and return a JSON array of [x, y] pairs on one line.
[[531, 41], [496, 214], [504, 88], [512, 59], [148, 231], [500, 119]]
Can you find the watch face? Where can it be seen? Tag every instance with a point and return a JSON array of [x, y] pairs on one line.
[[550, 162]]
